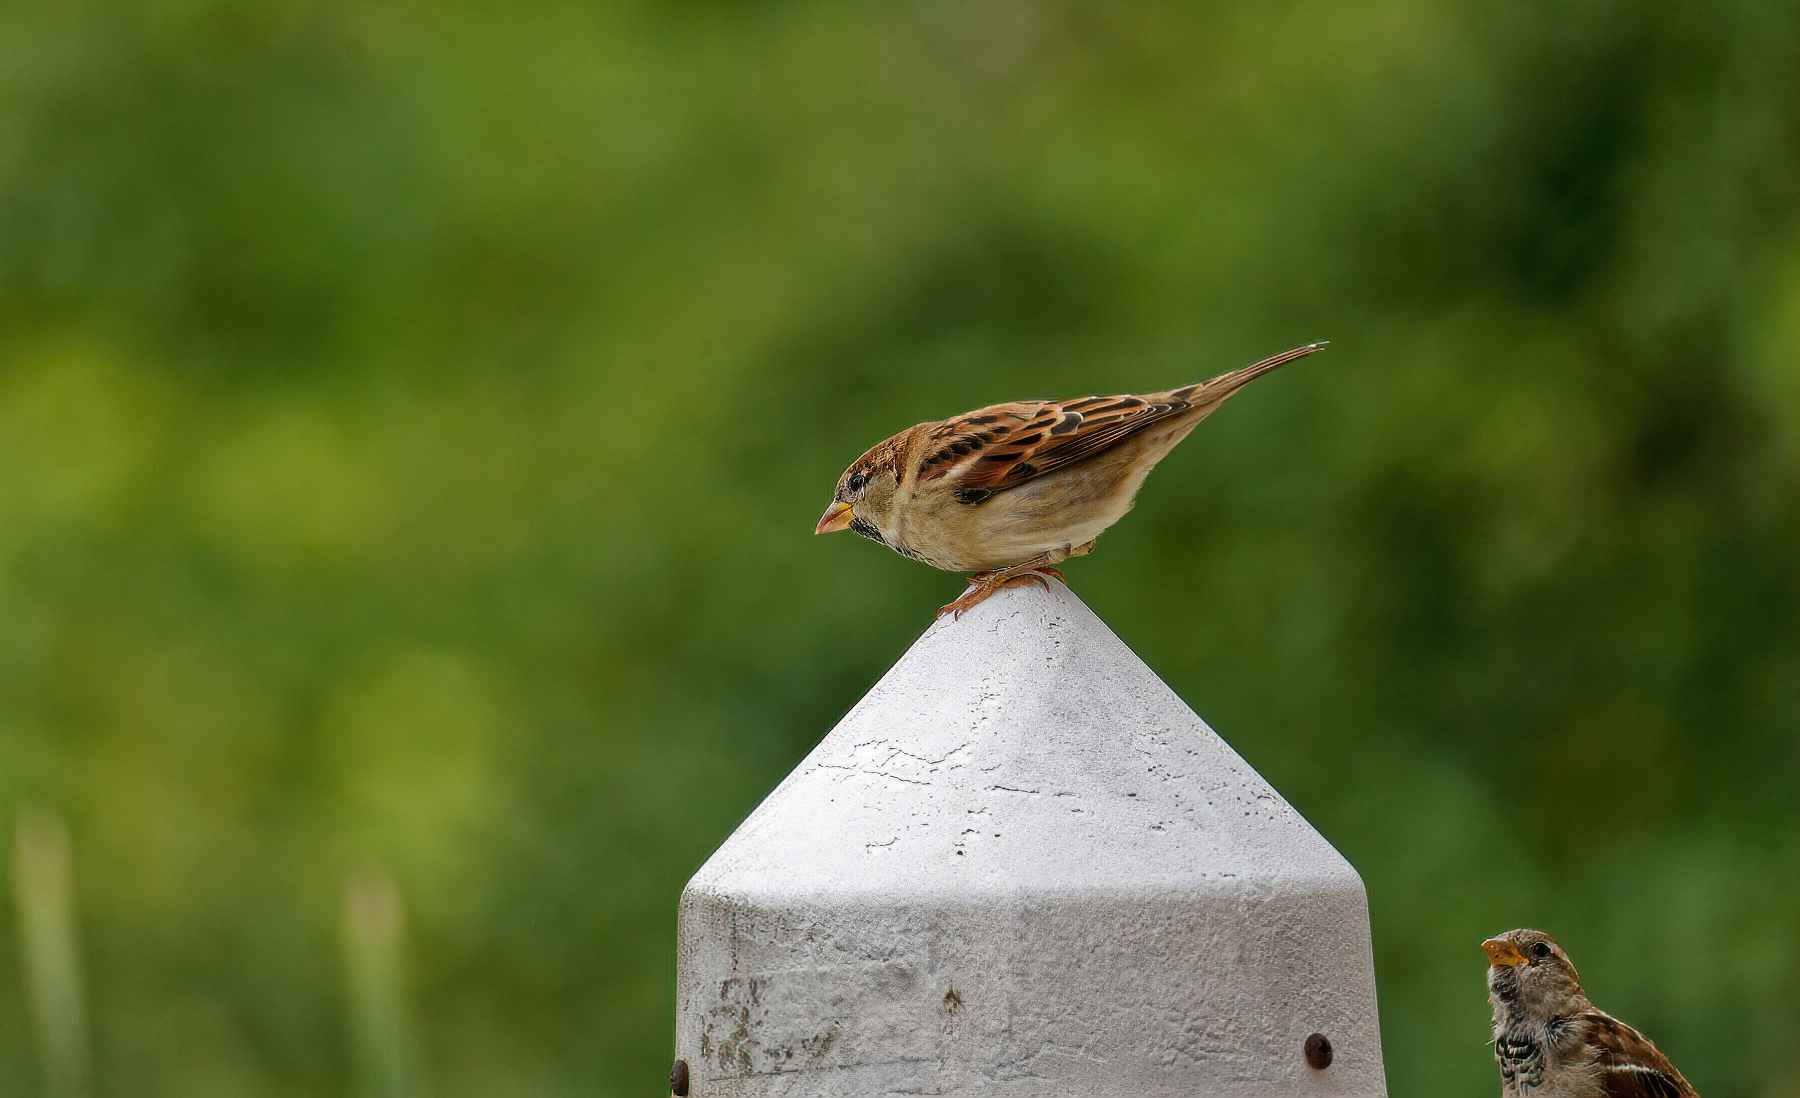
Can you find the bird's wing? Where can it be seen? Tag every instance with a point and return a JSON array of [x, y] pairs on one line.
[[992, 449], [1630, 1065]]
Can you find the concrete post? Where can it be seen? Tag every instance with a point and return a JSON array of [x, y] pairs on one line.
[[1020, 865]]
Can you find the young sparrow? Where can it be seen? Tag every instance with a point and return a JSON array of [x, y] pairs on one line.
[[1009, 490], [1552, 1043]]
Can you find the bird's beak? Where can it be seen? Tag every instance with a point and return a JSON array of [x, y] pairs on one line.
[[837, 517], [1502, 953]]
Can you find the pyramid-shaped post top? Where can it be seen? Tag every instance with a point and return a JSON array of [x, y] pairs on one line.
[[1022, 865]]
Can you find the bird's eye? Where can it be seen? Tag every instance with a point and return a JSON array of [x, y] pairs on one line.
[[857, 480], [1540, 950]]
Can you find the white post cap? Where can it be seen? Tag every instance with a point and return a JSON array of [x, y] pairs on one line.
[[1020, 865]]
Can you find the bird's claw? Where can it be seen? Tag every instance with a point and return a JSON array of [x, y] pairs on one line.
[[984, 584]]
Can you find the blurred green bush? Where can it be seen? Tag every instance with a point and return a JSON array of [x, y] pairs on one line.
[[412, 420]]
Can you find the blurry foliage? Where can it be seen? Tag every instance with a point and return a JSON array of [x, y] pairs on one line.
[[412, 421]]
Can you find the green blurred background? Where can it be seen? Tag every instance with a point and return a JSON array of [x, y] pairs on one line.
[[413, 419]]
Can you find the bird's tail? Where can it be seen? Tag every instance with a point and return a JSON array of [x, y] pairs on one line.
[[1213, 390]]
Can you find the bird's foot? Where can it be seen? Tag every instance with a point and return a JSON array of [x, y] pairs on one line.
[[979, 590], [984, 584]]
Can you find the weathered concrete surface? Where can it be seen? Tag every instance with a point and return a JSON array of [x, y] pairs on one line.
[[1022, 866]]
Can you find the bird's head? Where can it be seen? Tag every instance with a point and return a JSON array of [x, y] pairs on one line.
[[864, 500], [1528, 968]]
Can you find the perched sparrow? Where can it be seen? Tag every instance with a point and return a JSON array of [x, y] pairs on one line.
[[1552, 1043], [1007, 491]]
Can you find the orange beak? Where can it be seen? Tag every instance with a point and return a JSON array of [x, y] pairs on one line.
[[1502, 953], [837, 517]]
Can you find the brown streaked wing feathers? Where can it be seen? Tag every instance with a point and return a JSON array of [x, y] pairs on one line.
[[1630, 1065], [993, 449]]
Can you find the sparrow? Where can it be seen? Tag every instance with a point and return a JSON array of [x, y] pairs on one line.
[[1552, 1043], [1008, 491]]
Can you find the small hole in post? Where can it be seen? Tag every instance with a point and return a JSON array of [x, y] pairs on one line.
[[1318, 1052], [678, 1079]]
